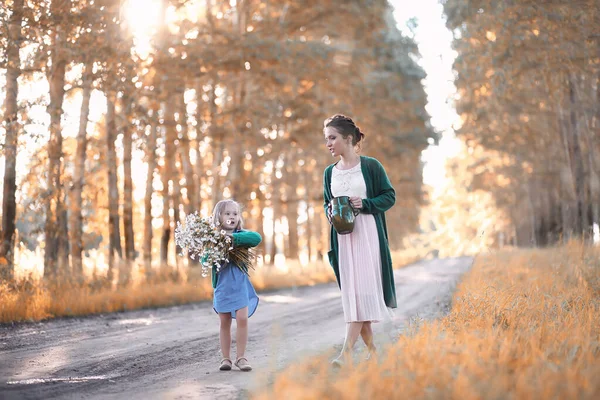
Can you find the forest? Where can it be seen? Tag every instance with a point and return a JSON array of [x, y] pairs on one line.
[[111, 134]]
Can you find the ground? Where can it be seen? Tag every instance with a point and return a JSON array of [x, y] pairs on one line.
[[173, 353]]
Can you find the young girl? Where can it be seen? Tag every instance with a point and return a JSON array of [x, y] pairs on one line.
[[234, 296]]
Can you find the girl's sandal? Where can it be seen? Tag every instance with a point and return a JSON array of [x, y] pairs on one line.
[[243, 364], [225, 364]]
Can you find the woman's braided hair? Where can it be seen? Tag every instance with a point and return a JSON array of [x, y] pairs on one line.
[[345, 127]]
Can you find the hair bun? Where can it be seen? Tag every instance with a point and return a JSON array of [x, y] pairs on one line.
[[358, 134]]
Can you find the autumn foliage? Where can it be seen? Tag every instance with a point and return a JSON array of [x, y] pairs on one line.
[[112, 135], [528, 82]]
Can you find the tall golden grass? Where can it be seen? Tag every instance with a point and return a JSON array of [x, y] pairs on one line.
[[524, 324], [34, 300]]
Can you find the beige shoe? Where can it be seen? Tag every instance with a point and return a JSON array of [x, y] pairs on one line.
[[338, 363], [371, 354], [243, 364], [225, 364]]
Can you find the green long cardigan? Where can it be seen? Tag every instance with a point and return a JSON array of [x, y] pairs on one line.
[[242, 238], [381, 196]]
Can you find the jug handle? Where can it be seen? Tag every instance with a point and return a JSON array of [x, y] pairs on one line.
[[328, 213]]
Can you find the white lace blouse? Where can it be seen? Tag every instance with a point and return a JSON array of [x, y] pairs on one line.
[[348, 182]]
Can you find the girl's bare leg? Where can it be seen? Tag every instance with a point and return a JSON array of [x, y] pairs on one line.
[[225, 334], [241, 337]]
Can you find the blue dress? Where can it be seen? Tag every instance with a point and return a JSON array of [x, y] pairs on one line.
[[234, 291]]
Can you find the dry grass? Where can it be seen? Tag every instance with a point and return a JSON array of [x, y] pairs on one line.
[[33, 300], [525, 324]]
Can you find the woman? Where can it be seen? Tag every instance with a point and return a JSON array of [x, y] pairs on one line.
[[361, 260]]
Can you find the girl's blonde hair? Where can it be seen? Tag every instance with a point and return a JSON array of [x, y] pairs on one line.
[[220, 206]]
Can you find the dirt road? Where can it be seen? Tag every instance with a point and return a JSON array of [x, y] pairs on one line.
[[173, 353]]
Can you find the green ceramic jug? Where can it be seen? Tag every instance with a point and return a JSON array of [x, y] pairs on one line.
[[342, 215]]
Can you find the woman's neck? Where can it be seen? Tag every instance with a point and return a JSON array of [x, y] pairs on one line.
[[348, 161]]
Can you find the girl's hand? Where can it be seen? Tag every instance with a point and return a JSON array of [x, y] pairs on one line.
[[356, 202]]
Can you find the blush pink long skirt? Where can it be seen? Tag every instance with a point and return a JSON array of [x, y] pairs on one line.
[[360, 273]]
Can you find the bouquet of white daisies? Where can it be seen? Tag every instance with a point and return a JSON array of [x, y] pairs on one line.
[[210, 244]]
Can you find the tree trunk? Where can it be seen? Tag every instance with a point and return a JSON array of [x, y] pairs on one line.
[[292, 207], [273, 248], [239, 186], [125, 270], [63, 241], [128, 182], [532, 216], [309, 222], [292, 218], [568, 199], [579, 171], [241, 180], [9, 205], [186, 163], [325, 233], [260, 203], [176, 198], [76, 219], [567, 208], [128, 196], [555, 216], [318, 233], [218, 147], [276, 207], [114, 233], [595, 197], [168, 177], [54, 202], [199, 167], [543, 228], [217, 187], [166, 219], [151, 154], [595, 176], [177, 173]]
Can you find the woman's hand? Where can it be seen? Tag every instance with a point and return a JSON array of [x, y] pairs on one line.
[[356, 202]]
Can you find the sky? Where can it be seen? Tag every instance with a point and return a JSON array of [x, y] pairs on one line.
[[435, 46]]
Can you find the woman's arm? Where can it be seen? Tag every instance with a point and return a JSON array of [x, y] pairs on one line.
[[246, 239], [385, 198]]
